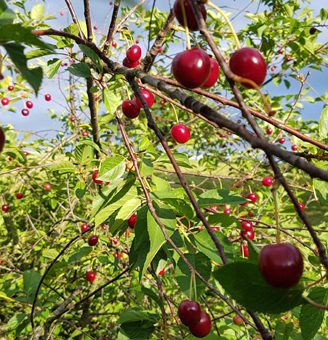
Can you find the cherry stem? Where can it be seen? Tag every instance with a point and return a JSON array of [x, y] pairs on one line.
[[185, 24], [175, 112], [276, 208], [209, 3], [315, 304], [195, 287], [316, 282], [254, 85], [177, 28], [190, 288]]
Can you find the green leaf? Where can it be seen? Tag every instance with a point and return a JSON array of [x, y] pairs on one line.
[[143, 144], [321, 187], [65, 165], [80, 190], [136, 314], [112, 168], [161, 184], [283, 330], [37, 12], [223, 221], [50, 253], [92, 55], [110, 100], [16, 54], [16, 320], [146, 167], [52, 67], [180, 158], [89, 142], [183, 276], [31, 280], [211, 336], [206, 245], [80, 70], [156, 236], [83, 153], [312, 317], [245, 283], [80, 252], [37, 54], [6, 17], [126, 211], [323, 124], [219, 196]]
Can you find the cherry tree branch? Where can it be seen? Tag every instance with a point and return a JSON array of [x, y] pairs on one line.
[[111, 29], [88, 19], [75, 19]]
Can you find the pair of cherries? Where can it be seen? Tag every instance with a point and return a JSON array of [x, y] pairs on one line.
[[191, 315], [131, 108], [133, 55]]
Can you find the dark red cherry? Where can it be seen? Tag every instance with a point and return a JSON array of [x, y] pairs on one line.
[[92, 240], [5, 207], [133, 53], [203, 327], [132, 221], [129, 63], [19, 195], [287, 59], [244, 250], [249, 234], [94, 177], [252, 196], [148, 97], [90, 276], [313, 30], [189, 312], [214, 74], [249, 63], [180, 133], [250, 214], [191, 20], [29, 104], [191, 68], [281, 265], [267, 181], [130, 109], [2, 139]]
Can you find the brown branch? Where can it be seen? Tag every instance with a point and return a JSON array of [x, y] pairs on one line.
[[75, 19], [147, 62], [110, 33], [88, 19]]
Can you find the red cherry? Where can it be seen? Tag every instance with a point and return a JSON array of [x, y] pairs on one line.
[[214, 74], [294, 147], [5, 101], [189, 312], [90, 276], [103, 228], [29, 104], [191, 68], [252, 196], [19, 195], [180, 133], [244, 250], [227, 211], [25, 112], [47, 186], [237, 320], [148, 97], [72, 119], [214, 207], [282, 140], [249, 234], [5, 207], [250, 214], [281, 265], [131, 109], [280, 51], [162, 102], [267, 181], [191, 20], [47, 97], [117, 255], [137, 41], [269, 131], [84, 227], [61, 13], [203, 327], [92, 240], [245, 203], [301, 205], [287, 59], [2, 261], [10, 88], [114, 43], [130, 64], [94, 177], [313, 30], [249, 63], [161, 272], [132, 221], [273, 68], [216, 228], [246, 225], [133, 53], [95, 27], [111, 3], [115, 241], [160, 50], [25, 153], [85, 134], [2, 139]]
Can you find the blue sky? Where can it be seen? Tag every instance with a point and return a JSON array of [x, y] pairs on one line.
[[39, 121]]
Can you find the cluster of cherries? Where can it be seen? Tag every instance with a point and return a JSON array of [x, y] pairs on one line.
[[131, 108], [133, 55], [198, 321]]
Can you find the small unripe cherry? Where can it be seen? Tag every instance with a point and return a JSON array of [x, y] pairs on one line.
[[237, 320]]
